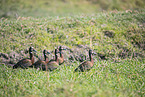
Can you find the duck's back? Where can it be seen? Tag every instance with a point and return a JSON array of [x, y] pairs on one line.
[[24, 63], [42, 65], [85, 66], [52, 65], [59, 59]]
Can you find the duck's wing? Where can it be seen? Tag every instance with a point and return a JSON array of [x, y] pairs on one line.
[[52, 65], [24, 63]]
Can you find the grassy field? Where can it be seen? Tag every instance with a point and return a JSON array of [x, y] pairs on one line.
[[121, 74], [105, 79], [118, 38]]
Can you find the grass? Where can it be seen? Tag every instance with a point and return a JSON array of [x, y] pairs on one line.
[[122, 74], [105, 79], [47, 33]]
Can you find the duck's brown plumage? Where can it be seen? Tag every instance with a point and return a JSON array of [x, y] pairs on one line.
[[54, 63], [86, 65], [26, 62], [42, 64]]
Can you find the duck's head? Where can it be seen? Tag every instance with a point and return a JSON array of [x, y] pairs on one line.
[[91, 52], [31, 49], [56, 51], [46, 52], [60, 48]]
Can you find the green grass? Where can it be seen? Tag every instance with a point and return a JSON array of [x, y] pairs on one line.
[[47, 33], [105, 79], [116, 76]]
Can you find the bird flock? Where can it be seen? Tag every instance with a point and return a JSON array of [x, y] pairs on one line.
[[50, 65]]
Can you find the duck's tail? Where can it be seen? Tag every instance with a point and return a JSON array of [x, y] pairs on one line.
[[15, 66]]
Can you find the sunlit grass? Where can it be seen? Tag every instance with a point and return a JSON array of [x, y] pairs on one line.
[[122, 74], [50, 32], [105, 79]]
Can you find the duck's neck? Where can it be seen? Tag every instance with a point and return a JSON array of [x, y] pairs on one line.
[[61, 55], [56, 58], [31, 57], [91, 59], [46, 58]]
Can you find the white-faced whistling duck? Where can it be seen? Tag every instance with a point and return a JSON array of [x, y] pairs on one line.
[[26, 62], [40, 63], [86, 65], [54, 63], [61, 59]]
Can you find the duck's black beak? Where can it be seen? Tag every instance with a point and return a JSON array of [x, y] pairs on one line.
[[63, 49], [48, 53], [34, 50]]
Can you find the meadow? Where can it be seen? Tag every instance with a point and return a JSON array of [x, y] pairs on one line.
[[118, 38]]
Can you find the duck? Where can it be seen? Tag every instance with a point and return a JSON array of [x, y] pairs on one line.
[[26, 62], [53, 64], [86, 65], [61, 58], [42, 64]]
